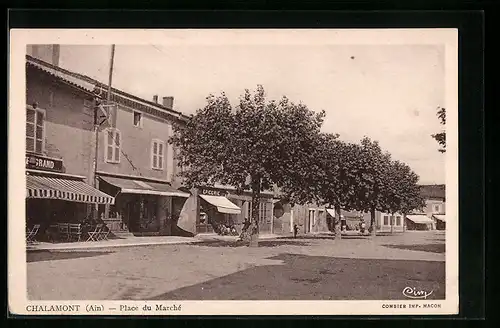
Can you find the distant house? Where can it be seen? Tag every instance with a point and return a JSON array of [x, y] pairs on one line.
[[419, 222], [440, 221], [435, 203]]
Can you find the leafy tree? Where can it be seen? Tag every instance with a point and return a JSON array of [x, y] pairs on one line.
[[441, 137], [254, 146], [334, 170], [403, 193], [373, 182]]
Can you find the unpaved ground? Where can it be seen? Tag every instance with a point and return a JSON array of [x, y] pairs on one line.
[[304, 268]]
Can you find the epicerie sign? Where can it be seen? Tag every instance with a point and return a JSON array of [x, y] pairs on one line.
[[212, 192], [43, 163]]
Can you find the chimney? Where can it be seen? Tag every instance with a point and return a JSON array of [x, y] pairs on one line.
[[155, 98], [168, 102], [49, 53], [56, 50]]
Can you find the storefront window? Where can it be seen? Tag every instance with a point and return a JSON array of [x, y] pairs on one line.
[[264, 212], [147, 214]]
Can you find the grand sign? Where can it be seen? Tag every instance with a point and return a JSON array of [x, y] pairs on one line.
[[43, 163]]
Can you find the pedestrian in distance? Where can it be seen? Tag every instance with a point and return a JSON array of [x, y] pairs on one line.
[[295, 230], [244, 231]]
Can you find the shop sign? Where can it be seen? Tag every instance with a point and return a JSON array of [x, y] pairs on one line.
[[43, 163], [212, 192]]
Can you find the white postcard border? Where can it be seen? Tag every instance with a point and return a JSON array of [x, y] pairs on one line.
[[17, 285]]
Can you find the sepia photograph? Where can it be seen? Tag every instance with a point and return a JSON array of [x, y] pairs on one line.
[[174, 171]]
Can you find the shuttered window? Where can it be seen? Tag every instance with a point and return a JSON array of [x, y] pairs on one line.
[[113, 144], [158, 154], [35, 124]]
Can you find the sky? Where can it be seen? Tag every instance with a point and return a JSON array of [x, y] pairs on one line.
[[389, 93]]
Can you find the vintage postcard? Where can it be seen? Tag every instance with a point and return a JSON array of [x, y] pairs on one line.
[[233, 172]]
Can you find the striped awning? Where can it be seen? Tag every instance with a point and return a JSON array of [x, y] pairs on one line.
[[64, 189], [420, 219], [440, 217], [223, 204], [130, 186]]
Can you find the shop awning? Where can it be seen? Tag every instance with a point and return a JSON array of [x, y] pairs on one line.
[[331, 211], [223, 204], [130, 186], [440, 217], [64, 189], [420, 219]]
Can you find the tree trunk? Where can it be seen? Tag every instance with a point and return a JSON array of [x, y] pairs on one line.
[[372, 222], [404, 222], [338, 223], [254, 227], [392, 223]]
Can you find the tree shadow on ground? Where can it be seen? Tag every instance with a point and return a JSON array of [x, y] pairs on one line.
[[238, 243], [303, 277], [42, 255], [306, 237], [321, 237], [441, 240], [431, 248]]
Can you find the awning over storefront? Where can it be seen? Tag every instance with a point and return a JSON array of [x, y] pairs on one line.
[[440, 217], [331, 211], [223, 204], [130, 186], [64, 189], [420, 219]]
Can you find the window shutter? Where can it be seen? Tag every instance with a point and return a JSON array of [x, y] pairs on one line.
[[117, 139], [30, 144], [109, 153]]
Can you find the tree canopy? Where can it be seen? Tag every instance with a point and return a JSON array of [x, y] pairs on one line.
[[254, 146], [261, 144], [441, 136]]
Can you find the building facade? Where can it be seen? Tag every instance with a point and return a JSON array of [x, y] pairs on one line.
[[311, 218], [129, 157], [58, 134]]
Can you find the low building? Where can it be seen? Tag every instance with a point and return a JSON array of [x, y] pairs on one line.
[[209, 206], [419, 222], [435, 203], [439, 221]]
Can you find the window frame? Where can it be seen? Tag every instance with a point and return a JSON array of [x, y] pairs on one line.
[[249, 209], [386, 220], [115, 131], [163, 156], [140, 121], [398, 220], [44, 113]]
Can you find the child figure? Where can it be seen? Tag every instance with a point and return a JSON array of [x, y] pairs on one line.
[[295, 230]]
